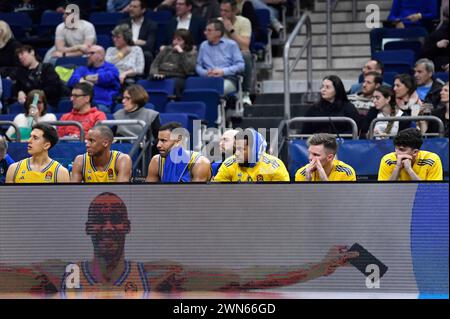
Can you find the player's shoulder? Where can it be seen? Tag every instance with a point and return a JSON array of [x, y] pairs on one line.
[[344, 168], [271, 159], [389, 159], [230, 161], [427, 158]]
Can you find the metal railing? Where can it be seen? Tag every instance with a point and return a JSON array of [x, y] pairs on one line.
[[68, 123], [324, 119], [409, 119], [307, 45], [331, 6], [18, 137]]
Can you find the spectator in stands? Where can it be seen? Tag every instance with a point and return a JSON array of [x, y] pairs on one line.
[[127, 57], [370, 66], [25, 121], [82, 111], [251, 163], [220, 57], [333, 102], [5, 159], [406, 97], [207, 9], [39, 168], [227, 149], [102, 75], [99, 164], [8, 46], [428, 89], [239, 29], [143, 29], [71, 39], [134, 99], [363, 100], [384, 107], [408, 162], [84, 5], [436, 46], [184, 19], [174, 163], [34, 75], [277, 26], [323, 165], [176, 61], [440, 112], [117, 5], [407, 13]]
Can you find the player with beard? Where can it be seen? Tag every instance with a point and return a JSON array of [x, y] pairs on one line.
[[227, 149], [99, 164]]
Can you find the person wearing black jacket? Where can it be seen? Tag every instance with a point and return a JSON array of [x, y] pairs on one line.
[[8, 46], [34, 75], [333, 102]]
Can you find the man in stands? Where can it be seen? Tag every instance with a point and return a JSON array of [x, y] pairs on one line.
[[99, 164], [370, 66], [82, 111], [102, 75], [220, 57], [251, 163], [408, 162], [363, 100], [39, 168], [175, 164], [428, 89], [323, 165]]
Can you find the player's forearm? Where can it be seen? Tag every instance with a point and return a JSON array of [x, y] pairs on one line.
[[395, 174], [413, 175]]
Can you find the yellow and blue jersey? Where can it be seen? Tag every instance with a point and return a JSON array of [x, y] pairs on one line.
[[341, 172], [24, 173], [91, 174]]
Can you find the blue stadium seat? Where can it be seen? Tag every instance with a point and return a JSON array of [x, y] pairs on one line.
[[64, 106], [49, 22], [15, 108], [7, 86], [415, 46], [160, 17], [17, 19], [166, 85], [212, 100], [71, 61], [106, 21], [104, 40], [263, 42], [196, 108], [441, 75], [378, 34], [400, 61], [7, 117], [200, 83], [159, 99], [182, 118]]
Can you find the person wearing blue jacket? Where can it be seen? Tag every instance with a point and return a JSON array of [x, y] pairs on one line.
[[413, 12], [104, 76]]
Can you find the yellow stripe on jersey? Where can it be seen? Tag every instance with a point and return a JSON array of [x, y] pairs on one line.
[[268, 169], [24, 173], [108, 175], [428, 167], [340, 172]]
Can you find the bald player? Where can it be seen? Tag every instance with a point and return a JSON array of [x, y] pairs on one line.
[[39, 168], [100, 164], [227, 149], [174, 164]]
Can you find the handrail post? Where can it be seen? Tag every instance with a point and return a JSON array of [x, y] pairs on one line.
[[354, 8], [329, 32]]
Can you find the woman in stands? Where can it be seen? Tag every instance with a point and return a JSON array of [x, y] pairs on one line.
[[126, 56], [384, 101], [333, 102], [25, 121], [134, 99], [176, 61], [440, 112]]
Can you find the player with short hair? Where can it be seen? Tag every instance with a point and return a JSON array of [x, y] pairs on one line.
[[100, 164], [251, 163], [408, 162], [175, 164], [39, 168], [323, 164]]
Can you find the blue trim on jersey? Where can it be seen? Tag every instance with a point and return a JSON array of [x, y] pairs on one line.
[[143, 275], [83, 170], [107, 166], [124, 275], [115, 162], [48, 166], [17, 170], [87, 274]]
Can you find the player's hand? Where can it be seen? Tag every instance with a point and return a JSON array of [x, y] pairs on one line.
[[310, 168], [321, 171], [336, 257], [401, 158], [407, 164]]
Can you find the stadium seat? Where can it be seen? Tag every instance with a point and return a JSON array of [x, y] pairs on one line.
[[166, 85], [71, 61], [197, 108], [212, 100], [377, 36], [415, 46], [182, 118], [106, 21], [160, 17], [64, 106], [104, 40], [49, 21], [441, 75], [200, 83], [17, 19], [263, 42], [7, 86], [400, 61], [16, 108]]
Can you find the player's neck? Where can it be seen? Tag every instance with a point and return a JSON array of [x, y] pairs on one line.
[[328, 168], [40, 160], [105, 270], [102, 160]]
